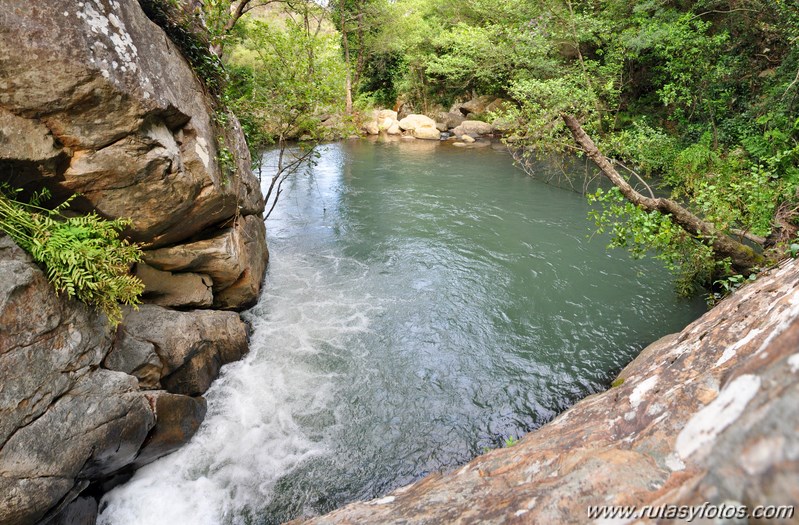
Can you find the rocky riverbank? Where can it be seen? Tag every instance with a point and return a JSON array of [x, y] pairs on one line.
[[97, 100], [463, 123]]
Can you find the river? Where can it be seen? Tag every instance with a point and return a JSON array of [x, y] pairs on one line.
[[423, 304]]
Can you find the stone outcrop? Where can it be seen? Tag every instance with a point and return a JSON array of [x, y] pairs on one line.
[[420, 127], [179, 351], [473, 128], [184, 290], [79, 401], [95, 99], [707, 415], [234, 258], [98, 101]]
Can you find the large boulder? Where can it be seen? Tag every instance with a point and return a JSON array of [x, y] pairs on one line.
[[412, 122], [420, 127], [474, 128], [63, 419], [707, 415], [103, 88]]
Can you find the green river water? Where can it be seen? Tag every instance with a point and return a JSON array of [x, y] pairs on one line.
[[423, 304]]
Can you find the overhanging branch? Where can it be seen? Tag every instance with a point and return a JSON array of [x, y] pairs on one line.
[[743, 257]]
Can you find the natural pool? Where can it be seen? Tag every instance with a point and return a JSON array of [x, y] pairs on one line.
[[423, 303]]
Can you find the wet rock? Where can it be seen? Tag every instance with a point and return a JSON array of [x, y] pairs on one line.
[[475, 128], [235, 259], [177, 419], [185, 290], [190, 347], [92, 430], [707, 415], [82, 511]]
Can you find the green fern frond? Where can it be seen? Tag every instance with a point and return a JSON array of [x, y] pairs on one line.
[[84, 257]]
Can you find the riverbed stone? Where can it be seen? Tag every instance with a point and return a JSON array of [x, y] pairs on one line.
[[474, 128], [707, 415], [411, 122], [190, 346], [427, 133], [177, 418], [183, 290]]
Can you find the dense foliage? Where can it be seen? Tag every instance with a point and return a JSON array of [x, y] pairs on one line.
[[701, 94], [83, 256]]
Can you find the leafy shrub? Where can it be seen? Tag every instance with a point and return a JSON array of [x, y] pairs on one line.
[[639, 231], [83, 256]]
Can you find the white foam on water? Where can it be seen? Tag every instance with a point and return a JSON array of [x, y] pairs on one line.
[[251, 436]]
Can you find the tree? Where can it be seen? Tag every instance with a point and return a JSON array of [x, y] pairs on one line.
[[223, 15], [743, 257], [284, 73]]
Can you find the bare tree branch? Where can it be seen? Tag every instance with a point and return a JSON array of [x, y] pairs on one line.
[[742, 256]]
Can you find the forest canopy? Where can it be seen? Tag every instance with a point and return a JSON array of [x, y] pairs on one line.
[[698, 97]]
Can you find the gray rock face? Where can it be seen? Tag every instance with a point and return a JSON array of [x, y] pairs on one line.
[[82, 511], [96, 82], [707, 415], [177, 419], [95, 99], [63, 420], [180, 351], [77, 403]]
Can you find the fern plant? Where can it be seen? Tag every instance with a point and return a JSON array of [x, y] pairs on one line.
[[84, 256]]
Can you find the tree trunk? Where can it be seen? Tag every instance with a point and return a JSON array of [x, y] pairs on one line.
[[238, 12], [742, 256], [348, 81]]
